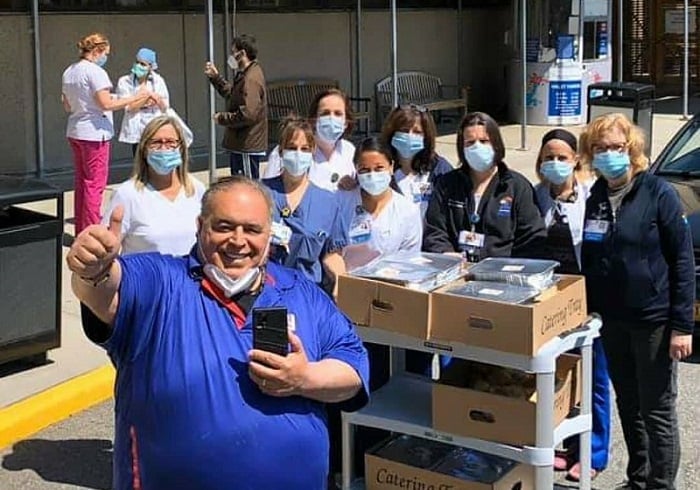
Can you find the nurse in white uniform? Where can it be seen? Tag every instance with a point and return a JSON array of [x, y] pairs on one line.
[[332, 167], [381, 219], [411, 132], [161, 200]]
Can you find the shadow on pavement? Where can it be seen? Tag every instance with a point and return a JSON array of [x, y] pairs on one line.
[[20, 365], [81, 462]]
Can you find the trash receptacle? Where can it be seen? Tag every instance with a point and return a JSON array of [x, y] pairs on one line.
[[635, 100], [30, 269]]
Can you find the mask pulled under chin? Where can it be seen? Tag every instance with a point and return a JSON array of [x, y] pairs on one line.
[[231, 287]]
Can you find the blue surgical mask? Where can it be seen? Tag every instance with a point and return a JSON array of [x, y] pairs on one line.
[[101, 60], [612, 164], [296, 162], [139, 70], [479, 156], [330, 128], [374, 183], [555, 171], [163, 162], [407, 144]]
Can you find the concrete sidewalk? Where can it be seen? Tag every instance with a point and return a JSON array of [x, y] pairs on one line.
[[78, 375]]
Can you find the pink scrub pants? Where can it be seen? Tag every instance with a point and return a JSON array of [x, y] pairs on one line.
[[91, 159]]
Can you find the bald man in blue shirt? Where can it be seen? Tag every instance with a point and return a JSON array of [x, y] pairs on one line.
[[196, 406]]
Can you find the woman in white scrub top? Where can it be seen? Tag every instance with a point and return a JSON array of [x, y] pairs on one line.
[[161, 200], [410, 132], [381, 219], [332, 167]]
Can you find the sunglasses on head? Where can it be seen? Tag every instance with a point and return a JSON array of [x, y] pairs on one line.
[[413, 107]]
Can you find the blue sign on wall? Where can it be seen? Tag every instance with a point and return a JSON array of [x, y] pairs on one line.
[[602, 39], [564, 98]]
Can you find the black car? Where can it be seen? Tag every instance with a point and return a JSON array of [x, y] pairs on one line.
[[679, 164]]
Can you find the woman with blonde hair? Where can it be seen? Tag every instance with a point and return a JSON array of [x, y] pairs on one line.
[[85, 94], [162, 199], [637, 257]]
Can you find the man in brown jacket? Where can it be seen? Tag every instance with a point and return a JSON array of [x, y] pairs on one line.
[[245, 118]]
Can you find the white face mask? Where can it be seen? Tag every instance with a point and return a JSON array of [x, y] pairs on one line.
[[229, 286], [232, 63]]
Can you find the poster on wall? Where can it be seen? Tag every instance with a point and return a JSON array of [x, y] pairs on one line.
[[595, 8], [564, 104], [674, 21]]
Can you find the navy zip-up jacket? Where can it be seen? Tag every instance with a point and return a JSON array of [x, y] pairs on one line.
[[508, 215], [640, 269]]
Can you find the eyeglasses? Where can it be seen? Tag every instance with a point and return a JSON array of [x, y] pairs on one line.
[[143, 63], [163, 144], [617, 147]]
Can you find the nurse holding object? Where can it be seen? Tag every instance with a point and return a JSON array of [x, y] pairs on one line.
[[308, 230], [410, 132], [564, 186], [483, 209], [381, 220], [332, 167]]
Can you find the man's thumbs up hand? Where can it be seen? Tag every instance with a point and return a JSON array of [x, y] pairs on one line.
[[94, 250]]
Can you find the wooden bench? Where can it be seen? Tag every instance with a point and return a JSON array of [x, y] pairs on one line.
[[420, 88], [285, 96]]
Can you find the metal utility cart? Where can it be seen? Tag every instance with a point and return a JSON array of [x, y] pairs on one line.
[[30, 270], [388, 408]]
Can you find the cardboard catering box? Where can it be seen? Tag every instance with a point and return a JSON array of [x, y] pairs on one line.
[[378, 304], [517, 328], [509, 420], [384, 474]]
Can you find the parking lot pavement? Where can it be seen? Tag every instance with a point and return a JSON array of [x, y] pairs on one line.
[[76, 453]]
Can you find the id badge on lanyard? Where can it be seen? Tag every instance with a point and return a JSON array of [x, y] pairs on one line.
[[594, 230], [281, 233], [421, 191], [360, 226], [559, 244], [470, 242]]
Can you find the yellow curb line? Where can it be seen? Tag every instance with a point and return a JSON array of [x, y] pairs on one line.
[[29, 416]]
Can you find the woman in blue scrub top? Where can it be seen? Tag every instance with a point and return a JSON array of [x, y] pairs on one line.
[[308, 231], [565, 184], [410, 131]]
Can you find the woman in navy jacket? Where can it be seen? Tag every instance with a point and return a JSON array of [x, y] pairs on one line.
[[638, 261]]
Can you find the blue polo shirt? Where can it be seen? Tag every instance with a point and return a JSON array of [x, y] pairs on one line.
[[317, 224], [187, 413]]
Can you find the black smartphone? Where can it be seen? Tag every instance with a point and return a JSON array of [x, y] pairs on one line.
[[270, 330]]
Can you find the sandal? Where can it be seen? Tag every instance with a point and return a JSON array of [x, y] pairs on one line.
[[574, 473]]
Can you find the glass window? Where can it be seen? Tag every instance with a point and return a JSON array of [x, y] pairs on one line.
[[14, 5], [684, 155], [73, 5]]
